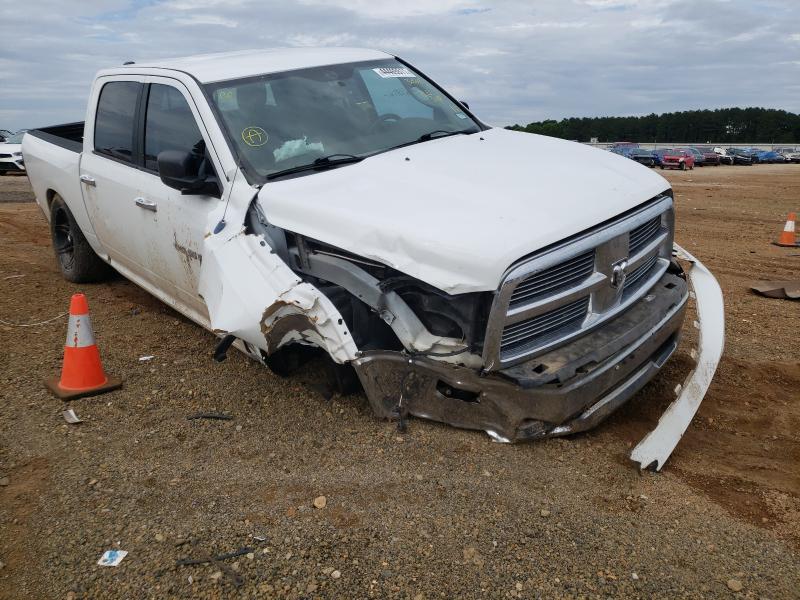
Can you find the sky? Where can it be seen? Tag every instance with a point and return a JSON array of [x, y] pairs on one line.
[[513, 61]]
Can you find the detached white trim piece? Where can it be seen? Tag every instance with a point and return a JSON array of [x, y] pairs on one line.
[[657, 446]]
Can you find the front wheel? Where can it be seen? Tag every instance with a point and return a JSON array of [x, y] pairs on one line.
[[77, 261], [683, 166]]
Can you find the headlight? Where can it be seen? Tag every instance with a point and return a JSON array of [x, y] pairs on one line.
[[17, 153]]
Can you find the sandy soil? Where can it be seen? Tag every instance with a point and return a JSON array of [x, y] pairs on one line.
[[436, 512]]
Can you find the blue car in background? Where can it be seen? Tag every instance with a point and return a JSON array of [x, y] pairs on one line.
[[770, 156], [640, 155]]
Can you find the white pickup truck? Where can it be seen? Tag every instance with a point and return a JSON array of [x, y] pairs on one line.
[[341, 200]]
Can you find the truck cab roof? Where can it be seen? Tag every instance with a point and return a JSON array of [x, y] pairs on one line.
[[208, 68]]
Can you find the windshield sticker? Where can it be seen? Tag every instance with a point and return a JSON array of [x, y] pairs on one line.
[[254, 136], [461, 115], [389, 72], [291, 148]]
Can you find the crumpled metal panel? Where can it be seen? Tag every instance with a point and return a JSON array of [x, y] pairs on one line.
[[654, 450], [252, 294]]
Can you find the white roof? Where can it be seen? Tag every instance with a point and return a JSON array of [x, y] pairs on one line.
[[246, 63]]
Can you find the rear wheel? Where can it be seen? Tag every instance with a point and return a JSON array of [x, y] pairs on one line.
[[76, 260]]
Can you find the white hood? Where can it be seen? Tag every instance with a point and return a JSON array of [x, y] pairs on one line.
[[10, 148], [457, 211]]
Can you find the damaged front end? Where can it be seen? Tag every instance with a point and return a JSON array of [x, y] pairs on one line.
[[570, 334]]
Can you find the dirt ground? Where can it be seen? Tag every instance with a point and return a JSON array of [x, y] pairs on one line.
[[435, 512]]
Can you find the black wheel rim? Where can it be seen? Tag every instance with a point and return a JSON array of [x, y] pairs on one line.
[[62, 239]]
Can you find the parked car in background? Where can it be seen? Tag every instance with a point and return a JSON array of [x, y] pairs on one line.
[[753, 154], [770, 157], [790, 155], [699, 159], [710, 158], [11, 154], [616, 145], [724, 157], [658, 155], [740, 156], [642, 156], [674, 158]]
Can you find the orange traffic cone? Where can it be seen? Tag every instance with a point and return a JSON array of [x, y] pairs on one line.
[[787, 237], [82, 372]]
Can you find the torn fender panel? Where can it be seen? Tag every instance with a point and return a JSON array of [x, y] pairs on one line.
[[250, 292], [657, 446]]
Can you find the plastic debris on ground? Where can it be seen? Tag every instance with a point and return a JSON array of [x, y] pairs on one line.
[[112, 558], [70, 417], [786, 290]]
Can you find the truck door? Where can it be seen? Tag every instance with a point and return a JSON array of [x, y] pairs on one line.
[[109, 176], [171, 122]]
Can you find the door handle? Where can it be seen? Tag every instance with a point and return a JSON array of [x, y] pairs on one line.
[[146, 204], [88, 180]]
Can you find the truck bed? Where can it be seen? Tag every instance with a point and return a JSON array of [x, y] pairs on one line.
[[52, 159], [67, 135]]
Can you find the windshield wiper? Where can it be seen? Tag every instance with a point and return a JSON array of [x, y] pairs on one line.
[[324, 162], [435, 134]]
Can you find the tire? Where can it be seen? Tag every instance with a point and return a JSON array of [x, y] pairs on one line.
[[75, 258], [662, 167], [683, 166]]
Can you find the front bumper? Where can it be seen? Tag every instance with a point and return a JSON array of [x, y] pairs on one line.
[[12, 166], [566, 390]]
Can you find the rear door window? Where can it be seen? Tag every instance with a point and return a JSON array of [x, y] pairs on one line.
[[169, 125], [114, 121]]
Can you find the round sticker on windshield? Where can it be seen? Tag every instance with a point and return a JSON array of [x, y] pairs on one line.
[[254, 136]]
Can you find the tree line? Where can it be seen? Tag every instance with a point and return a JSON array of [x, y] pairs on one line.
[[735, 125]]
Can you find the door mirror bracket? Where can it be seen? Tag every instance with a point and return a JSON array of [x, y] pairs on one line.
[[181, 171]]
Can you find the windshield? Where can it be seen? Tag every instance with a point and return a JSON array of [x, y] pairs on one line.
[[16, 138], [285, 120]]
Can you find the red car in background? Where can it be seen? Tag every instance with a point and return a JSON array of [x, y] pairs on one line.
[[710, 158], [677, 159]]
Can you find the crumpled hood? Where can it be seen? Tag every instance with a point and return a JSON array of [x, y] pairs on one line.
[[458, 211]]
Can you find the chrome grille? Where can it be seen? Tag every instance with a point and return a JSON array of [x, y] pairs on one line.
[[634, 278], [644, 234], [568, 289], [568, 316], [554, 279]]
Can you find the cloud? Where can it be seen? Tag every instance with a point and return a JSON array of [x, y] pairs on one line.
[[514, 61]]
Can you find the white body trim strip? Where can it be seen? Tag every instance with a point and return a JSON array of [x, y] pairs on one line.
[[657, 446]]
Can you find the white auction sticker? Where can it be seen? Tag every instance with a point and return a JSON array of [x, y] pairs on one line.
[[387, 72]]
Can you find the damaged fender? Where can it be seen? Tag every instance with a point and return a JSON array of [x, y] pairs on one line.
[[654, 450], [252, 294]]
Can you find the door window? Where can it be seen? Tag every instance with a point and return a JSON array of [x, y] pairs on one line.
[[169, 125], [114, 121]]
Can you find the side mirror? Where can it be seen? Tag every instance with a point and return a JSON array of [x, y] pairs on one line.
[[464, 104], [181, 171]]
